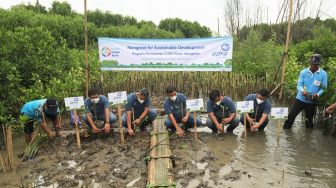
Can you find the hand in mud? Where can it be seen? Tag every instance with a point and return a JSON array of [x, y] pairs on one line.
[[315, 97], [107, 128], [305, 93], [50, 134], [95, 129], [329, 110], [225, 121], [130, 132], [137, 122], [180, 132], [184, 119], [220, 128], [254, 128]]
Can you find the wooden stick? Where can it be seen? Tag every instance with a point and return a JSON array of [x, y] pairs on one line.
[[10, 147], [278, 130], [3, 166], [195, 125], [245, 132], [77, 130], [121, 130], [133, 120]]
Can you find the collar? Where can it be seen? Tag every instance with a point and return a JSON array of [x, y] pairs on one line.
[[318, 71]]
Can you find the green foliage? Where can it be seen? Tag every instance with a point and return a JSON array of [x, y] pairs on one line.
[[189, 29], [254, 56]]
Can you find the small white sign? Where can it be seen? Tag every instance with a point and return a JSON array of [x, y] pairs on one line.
[[245, 107], [279, 113], [195, 105], [72, 103], [118, 97]]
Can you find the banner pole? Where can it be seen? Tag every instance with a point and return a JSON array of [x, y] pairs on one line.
[[121, 130], [245, 132]]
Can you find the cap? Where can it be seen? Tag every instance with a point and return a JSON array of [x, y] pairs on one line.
[[315, 59], [51, 105]]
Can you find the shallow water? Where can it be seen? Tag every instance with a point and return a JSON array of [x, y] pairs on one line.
[[301, 158]]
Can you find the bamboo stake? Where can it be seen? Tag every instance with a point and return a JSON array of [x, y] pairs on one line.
[[2, 163], [77, 130], [121, 130], [278, 130], [195, 125], [9, 147], [286, 47], [245, 132]]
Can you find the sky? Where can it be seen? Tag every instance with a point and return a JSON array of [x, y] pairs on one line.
[[205, 12]]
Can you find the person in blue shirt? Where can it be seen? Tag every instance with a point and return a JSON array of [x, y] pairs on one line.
[[311, 85], [221, 111], [175, 108], [97, 107], [37, 111], [139, 103], [258, 120]]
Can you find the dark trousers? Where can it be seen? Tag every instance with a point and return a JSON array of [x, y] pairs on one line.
[[298, 106]]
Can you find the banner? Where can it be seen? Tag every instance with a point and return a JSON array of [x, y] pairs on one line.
[[201, 54]]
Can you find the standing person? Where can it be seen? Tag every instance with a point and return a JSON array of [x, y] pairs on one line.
[[221, 111], [37, 110], [258, 120], [311, 84], [331, 108], [97, 107], [175, 108], [139, 103]]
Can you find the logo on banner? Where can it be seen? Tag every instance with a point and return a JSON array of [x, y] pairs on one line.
[[106, 52], [225, 47]]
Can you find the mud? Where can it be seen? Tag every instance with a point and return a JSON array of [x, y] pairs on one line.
[[101, 162], [299, 158]]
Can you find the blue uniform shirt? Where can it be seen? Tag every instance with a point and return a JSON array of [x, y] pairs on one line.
[[314, 83], [100, 106], [132, 102], [227, 103], [259, 109], [176, 107], [33, 109]]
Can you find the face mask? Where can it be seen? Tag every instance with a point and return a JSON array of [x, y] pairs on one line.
[[173, 98], [259, 101], [141, 101], [96, 100], [218, 103]]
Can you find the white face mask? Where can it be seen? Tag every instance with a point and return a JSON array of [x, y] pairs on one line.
[[96, 100], [141, 101], [218, 103], [259, 101], [173, 98]]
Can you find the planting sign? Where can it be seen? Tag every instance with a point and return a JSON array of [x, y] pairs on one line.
[[195, 105], [72, 103], [117, 98], [279, 113], [245, 107], [203, 54]]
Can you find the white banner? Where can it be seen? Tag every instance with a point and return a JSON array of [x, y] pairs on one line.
[[72, 103], [195, 105], [279, 113], [198, 54], [117, 98], [245, 107]]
